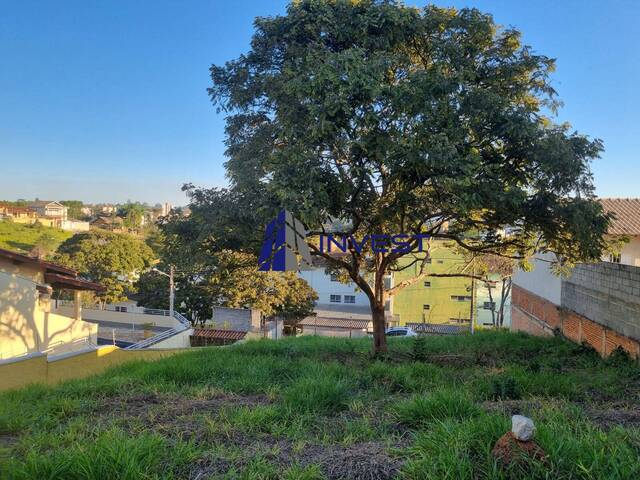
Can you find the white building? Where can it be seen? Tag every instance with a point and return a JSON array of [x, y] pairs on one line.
[[332, 294], [488, 305], [75, 225], [626, 223], [49, 209]]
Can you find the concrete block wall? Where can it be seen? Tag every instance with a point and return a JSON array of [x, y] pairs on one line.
[[238, 319], [607, 293]]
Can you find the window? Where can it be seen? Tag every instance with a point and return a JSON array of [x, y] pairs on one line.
[[426, 307], [121, 309], [489, 305], [335, 298], [614, 257], [396, 333], [349, 299], [439, 261], [428, 260], [460, 298], [427, 284], [334, 277]]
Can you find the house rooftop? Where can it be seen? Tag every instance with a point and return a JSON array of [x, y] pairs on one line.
[[325, 322], [218, 334], [627, 213], [54, 274], [42, 203]]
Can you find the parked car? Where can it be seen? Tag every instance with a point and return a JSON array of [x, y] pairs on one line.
[[401, 332]]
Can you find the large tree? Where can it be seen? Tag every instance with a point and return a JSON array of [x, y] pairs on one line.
[[114, 260], [396, 119]]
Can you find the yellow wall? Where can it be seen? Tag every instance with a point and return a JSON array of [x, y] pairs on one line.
[[409, 302], [27, 326], [39, 370]]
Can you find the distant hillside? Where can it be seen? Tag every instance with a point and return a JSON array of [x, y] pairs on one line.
[[22, 238]]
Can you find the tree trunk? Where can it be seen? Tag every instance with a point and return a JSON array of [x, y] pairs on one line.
[[379, 335], [493, 309]]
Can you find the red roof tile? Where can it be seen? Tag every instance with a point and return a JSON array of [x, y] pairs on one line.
[[334, 323], [218, 334], [627, 212]]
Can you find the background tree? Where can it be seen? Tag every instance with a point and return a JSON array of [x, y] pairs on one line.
[[395, 119], [209, 272], [132, 212], [112, 259], [45, 246], [74, 208], [494, 270]]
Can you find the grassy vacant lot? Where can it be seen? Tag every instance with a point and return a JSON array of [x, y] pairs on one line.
[[312, 408], [22, 238]]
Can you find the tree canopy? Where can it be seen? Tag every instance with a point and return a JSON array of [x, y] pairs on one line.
[[209, 272], [112, 259], [132, 212], [395, 119]]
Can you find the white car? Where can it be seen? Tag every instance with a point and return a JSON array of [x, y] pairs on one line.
[[401, 332]]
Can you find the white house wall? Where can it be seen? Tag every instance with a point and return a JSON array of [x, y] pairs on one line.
[[541, 280], [325, 287]]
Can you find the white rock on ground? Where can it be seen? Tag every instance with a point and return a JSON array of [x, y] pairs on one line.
[[522, 427]]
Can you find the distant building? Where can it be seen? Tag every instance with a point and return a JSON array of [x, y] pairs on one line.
[[626, 223], [17, 214], [488, 303], [108, 209], [432, 300], [75, 225], [332, 293], [165, 209], [49, 210]]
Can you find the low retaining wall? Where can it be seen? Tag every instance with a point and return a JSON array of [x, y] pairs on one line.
[[93, 315], [533, 314], [38, 368]]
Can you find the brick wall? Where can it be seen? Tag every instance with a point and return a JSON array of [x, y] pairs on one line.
[[538, 316]]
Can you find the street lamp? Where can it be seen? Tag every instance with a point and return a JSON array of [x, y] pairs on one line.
[[172, 288]]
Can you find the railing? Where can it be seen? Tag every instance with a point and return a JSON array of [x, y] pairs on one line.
[[147, 342], [72, 345]]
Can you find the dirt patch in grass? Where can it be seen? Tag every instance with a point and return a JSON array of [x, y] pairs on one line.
[[363, 461], [175, 405], [7, 441], [171, 415], [607, 418]]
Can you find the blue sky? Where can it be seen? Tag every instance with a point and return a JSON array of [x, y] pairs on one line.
[[106, 101]]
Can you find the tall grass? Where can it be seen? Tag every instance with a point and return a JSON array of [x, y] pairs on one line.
[[330, 392]]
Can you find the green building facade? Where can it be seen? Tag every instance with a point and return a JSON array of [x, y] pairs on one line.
[[433, 299]]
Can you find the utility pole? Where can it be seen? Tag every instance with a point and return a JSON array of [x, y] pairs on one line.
[[473, 295], [172, 291], [172, 287]]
